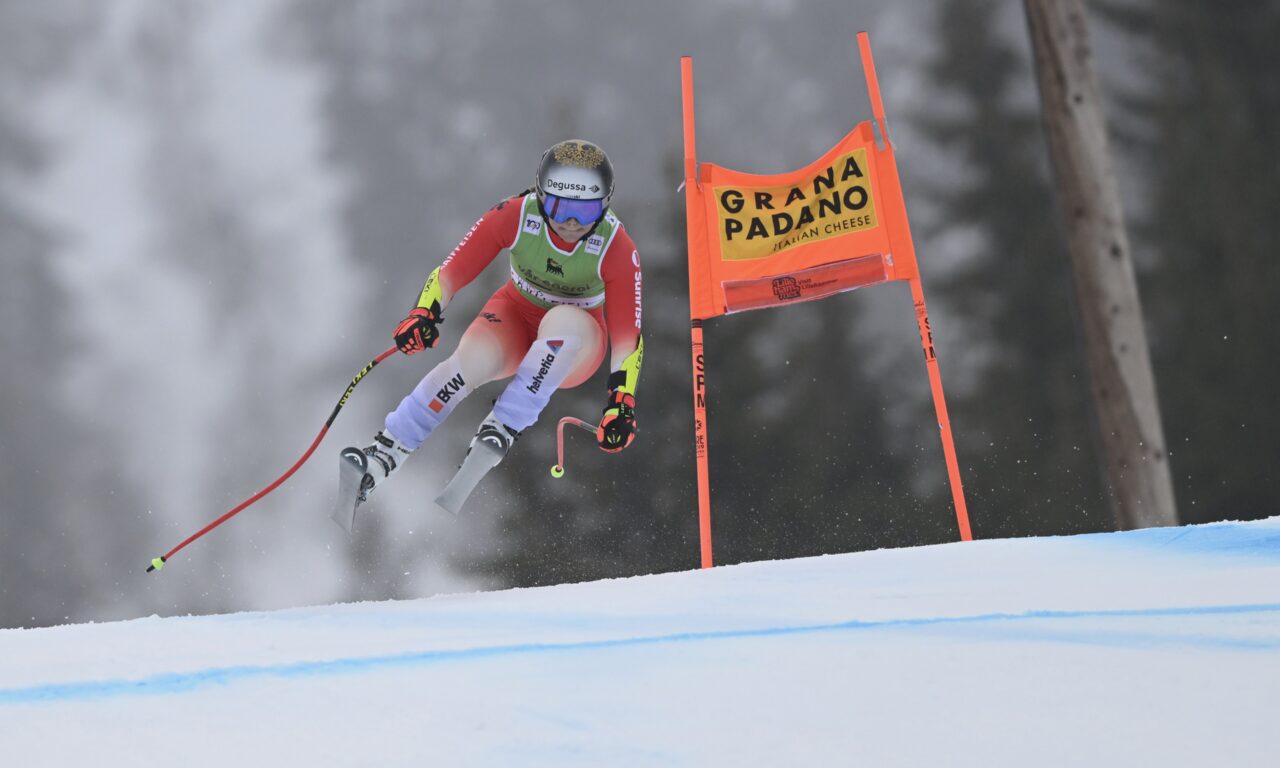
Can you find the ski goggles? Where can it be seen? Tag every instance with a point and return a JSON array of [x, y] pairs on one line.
[[561, 209]]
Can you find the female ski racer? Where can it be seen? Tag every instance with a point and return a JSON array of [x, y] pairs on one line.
[[574, 291]]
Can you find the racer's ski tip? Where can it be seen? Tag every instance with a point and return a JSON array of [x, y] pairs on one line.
[[353, 467]]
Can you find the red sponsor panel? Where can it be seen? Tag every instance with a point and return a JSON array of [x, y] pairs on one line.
[[805, 285]]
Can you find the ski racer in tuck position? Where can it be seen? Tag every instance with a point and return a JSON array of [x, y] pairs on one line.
[[574, 290]]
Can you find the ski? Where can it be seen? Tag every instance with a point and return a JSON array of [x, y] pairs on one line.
[[480, 459], [487, 449], [353, 466]]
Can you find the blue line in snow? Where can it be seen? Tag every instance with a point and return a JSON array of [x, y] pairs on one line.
[[182, 682]]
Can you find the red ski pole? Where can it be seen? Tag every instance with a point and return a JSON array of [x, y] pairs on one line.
[[158, 563], [558, 470]]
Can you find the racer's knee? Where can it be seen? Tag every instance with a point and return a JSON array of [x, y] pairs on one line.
[[565, 320], [482, 357]]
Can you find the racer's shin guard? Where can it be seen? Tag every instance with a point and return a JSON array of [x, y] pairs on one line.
[[543, 370], [429, 404]]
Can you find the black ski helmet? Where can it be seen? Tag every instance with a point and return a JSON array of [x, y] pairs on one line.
[[577, 170]]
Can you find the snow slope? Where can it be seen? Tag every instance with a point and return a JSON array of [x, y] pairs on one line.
[[1156, 647]]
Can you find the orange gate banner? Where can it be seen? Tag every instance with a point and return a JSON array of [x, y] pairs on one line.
[[768, 240]]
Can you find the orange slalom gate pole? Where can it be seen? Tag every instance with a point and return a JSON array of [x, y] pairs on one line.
[[699, 359], [700, 444], [873, 83], [690, 132], [940, 407], [922, 315]]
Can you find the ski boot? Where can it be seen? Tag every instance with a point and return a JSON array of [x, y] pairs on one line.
[[488, 447], [360, 470]]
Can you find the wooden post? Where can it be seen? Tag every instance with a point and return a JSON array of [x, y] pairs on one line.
[[1124, 390]]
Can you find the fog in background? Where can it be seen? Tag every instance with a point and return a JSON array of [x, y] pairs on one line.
[[212, 215]]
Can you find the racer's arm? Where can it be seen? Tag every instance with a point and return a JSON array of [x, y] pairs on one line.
[[622, 309], [623, 281], [496, 229]]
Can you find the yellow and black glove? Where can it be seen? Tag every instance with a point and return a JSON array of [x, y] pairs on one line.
[[618, 425], [418, 330]]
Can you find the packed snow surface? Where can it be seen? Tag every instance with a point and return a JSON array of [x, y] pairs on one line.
[[1155, 647]]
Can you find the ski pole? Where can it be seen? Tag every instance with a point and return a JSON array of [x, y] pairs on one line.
[[158, 563], [557, 471]]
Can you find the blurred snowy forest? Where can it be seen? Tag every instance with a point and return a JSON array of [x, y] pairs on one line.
[[212, 215]]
